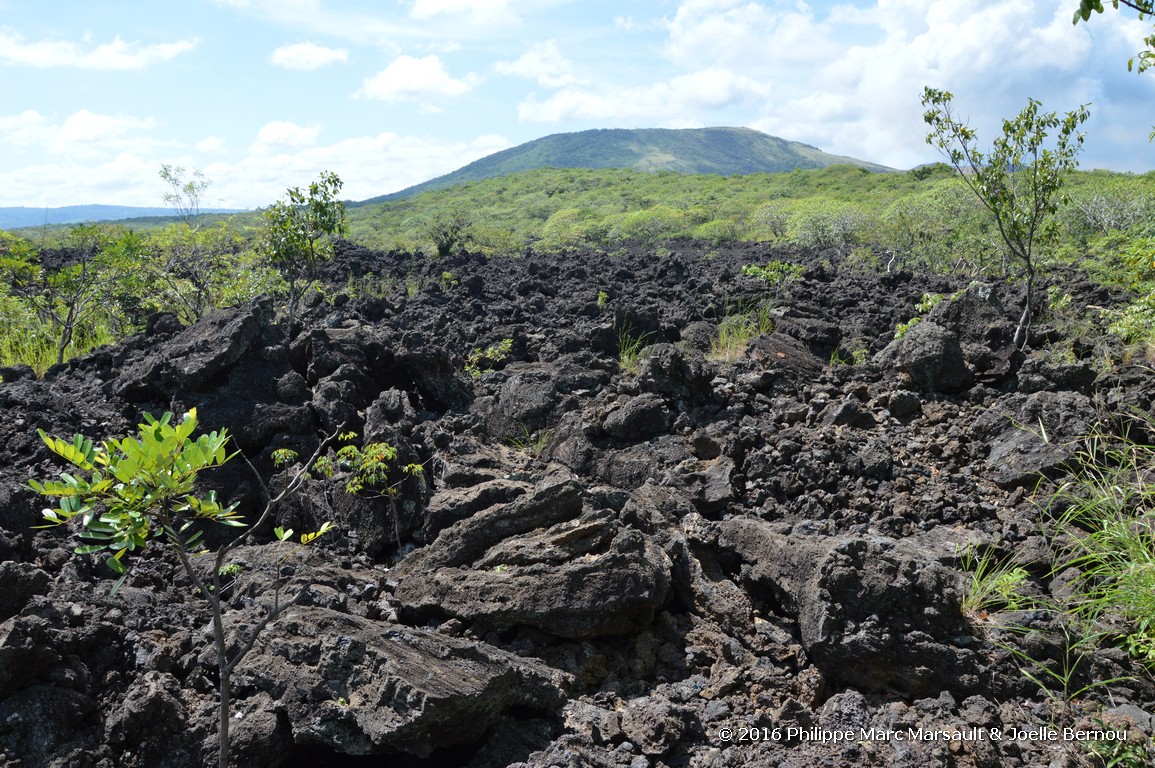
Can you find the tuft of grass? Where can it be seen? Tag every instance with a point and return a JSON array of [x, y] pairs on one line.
[[736, 330], [993, 583], [630, 348], [1104, 515], [532, 443], [1101, 522]]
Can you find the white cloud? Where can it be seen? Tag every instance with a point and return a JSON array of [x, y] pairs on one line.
[[281, 135], [124, 179], [411, 79], [211, 145], [117, 55], [542, 62], [742, 34], [368, 165], [676, 99], [83, 134], [481, 10], [848, 79], [307, 56]]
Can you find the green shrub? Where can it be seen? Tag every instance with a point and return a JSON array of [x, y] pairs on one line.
[[779, 275], [481, 361], [718, 232], [648, 227], [299, 232], [819, 223]]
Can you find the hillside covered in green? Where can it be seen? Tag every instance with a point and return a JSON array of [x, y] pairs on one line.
[[926, 217], [723, 151]]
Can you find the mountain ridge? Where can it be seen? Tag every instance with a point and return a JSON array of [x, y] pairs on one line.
[[721, 150]]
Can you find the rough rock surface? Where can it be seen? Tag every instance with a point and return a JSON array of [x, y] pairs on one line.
[[599, 565]]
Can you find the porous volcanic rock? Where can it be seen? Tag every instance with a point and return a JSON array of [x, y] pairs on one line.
[[599, 562]]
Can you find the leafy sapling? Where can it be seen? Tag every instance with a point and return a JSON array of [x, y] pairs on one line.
[[132, 491], [1019, 180]]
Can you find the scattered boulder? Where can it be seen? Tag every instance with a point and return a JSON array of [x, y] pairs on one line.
[[1032, 436], [365, 688], [931, 357]]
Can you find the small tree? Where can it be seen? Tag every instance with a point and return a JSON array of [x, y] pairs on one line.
[[72, 298], [1018, 180], [193, 262], [299, 233], [185, 195], [448, 230], [138, 489]]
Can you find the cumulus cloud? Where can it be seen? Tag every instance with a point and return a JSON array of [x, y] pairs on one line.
[[678, 98], [369, 166], [116, 55], [126, 178], [81, 134], [544, 63], [307, 56], [282, 135], [848, 78], [412, 79]]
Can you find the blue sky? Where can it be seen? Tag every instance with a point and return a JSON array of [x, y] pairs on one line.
[[264, 94]]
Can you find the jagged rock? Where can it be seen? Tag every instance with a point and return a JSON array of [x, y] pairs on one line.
[[872, 612], [193, 357], [1029, 436], [850, 413], [638, 418], [931, 357], [904, 403], [18, 583], [665, 370], [700, 581], [613, 579], [817, 334], [654, 724], [362, 688], [1038, 374], [457, 504]]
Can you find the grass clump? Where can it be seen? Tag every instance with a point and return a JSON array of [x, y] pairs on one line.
[[736, 330], [532, 444], [993, 583], [630, 346], [1104, 517], [1101, 522]]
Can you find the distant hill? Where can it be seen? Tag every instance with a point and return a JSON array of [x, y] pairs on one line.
[[15, 218], [724, 151]]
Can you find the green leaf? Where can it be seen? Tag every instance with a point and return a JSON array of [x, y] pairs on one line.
[[309, 537]]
